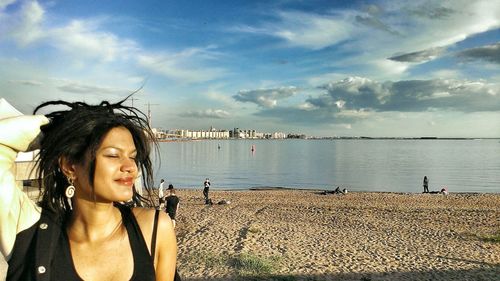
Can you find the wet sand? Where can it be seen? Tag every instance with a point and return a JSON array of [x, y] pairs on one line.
[[303, 235]]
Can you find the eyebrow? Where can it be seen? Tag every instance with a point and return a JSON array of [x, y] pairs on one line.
[[115, 147]]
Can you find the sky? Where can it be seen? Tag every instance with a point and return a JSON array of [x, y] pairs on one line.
[[320, 68]]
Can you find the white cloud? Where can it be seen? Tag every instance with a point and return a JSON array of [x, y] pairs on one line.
[[87, 42], [220, 97], [325, 78], [180, 67], [446, 74], [83, 39], [420, 27], [207, 113], [80, 88], [5, 3], [25, 27], [32, 83], [305, 30], [312, 31], [266, 97]]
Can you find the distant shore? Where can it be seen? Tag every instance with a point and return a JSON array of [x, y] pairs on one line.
[[324, 138], [290, 234]]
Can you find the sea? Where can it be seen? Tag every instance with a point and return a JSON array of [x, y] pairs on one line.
[[382, 165]]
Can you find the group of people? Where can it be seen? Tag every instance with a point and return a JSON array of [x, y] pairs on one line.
[[170, 201], [89, 159], [425, 184]]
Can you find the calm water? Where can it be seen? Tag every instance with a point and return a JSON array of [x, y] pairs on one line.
[[358, 165]]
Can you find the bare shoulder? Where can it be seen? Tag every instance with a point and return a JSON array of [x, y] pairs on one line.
[[166, 247], [145, 219]]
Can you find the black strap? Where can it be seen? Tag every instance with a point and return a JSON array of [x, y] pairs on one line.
[[155, 230], [177, 277]]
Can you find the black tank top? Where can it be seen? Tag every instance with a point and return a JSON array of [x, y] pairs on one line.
[[64, 269]]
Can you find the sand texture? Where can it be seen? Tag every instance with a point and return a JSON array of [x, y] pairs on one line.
[[303, 235]]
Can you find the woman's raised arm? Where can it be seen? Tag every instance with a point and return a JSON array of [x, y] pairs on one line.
[[17, 211]]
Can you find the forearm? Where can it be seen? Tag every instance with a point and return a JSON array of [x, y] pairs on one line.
[[17, 211]]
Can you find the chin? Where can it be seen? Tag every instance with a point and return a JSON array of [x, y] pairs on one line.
[[125, 198]]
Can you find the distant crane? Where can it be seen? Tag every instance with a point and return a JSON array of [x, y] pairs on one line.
[[149, 112], [132, 99]]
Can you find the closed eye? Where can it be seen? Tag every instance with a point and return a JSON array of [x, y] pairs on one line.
[[112, 156]]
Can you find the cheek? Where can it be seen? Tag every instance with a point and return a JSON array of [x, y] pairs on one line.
[[104, 172]]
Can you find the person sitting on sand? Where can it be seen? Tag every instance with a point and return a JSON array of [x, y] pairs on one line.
[[336, 191], [444, 190]]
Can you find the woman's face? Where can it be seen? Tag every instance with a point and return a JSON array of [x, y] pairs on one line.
[[115, 169]]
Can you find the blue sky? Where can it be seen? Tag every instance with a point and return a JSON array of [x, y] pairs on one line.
[[323, 68]]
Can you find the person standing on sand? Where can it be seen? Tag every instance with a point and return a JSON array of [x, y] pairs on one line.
[[426, 184], [206, 185], [160, 192], [172, 203]]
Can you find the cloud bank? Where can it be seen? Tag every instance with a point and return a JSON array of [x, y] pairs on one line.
[[489, 53], [357, 98], [208, 113], [265, 97]]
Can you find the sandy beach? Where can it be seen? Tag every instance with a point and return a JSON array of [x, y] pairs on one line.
[[303, 235]]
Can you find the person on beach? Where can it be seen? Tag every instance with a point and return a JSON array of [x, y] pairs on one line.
[[426, 184], [206, 187], [172, 203], [160, 193], [89, 159], [443, 191]]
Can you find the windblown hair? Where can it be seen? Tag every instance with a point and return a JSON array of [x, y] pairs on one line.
[[76, 134]]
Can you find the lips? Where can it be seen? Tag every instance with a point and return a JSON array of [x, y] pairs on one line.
[[129, 181]]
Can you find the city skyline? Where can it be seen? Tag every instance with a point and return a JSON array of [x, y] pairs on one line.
[[321, 68]]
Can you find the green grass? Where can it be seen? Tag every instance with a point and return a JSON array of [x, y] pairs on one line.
[[249, 264], [245, 265], [208, 259], [495, 238]]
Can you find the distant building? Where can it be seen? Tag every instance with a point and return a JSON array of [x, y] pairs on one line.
[[201, 134], [235, 133], [158, 133], [278, 135]]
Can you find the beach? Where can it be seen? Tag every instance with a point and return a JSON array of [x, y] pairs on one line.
[[303, 235]]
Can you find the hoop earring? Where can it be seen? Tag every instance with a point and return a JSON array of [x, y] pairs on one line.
[[70, 190]]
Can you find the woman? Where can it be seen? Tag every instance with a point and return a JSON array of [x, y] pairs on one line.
[[426, 184], [90, 157]]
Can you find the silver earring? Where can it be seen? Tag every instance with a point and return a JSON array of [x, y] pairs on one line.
[[70, 190]]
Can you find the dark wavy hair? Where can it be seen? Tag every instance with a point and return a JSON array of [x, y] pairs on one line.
[[77, 133]]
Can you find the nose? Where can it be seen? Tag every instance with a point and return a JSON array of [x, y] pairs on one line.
[[129, 165]]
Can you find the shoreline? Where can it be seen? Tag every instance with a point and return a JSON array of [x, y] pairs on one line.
[[277, 188], [35, 190]]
